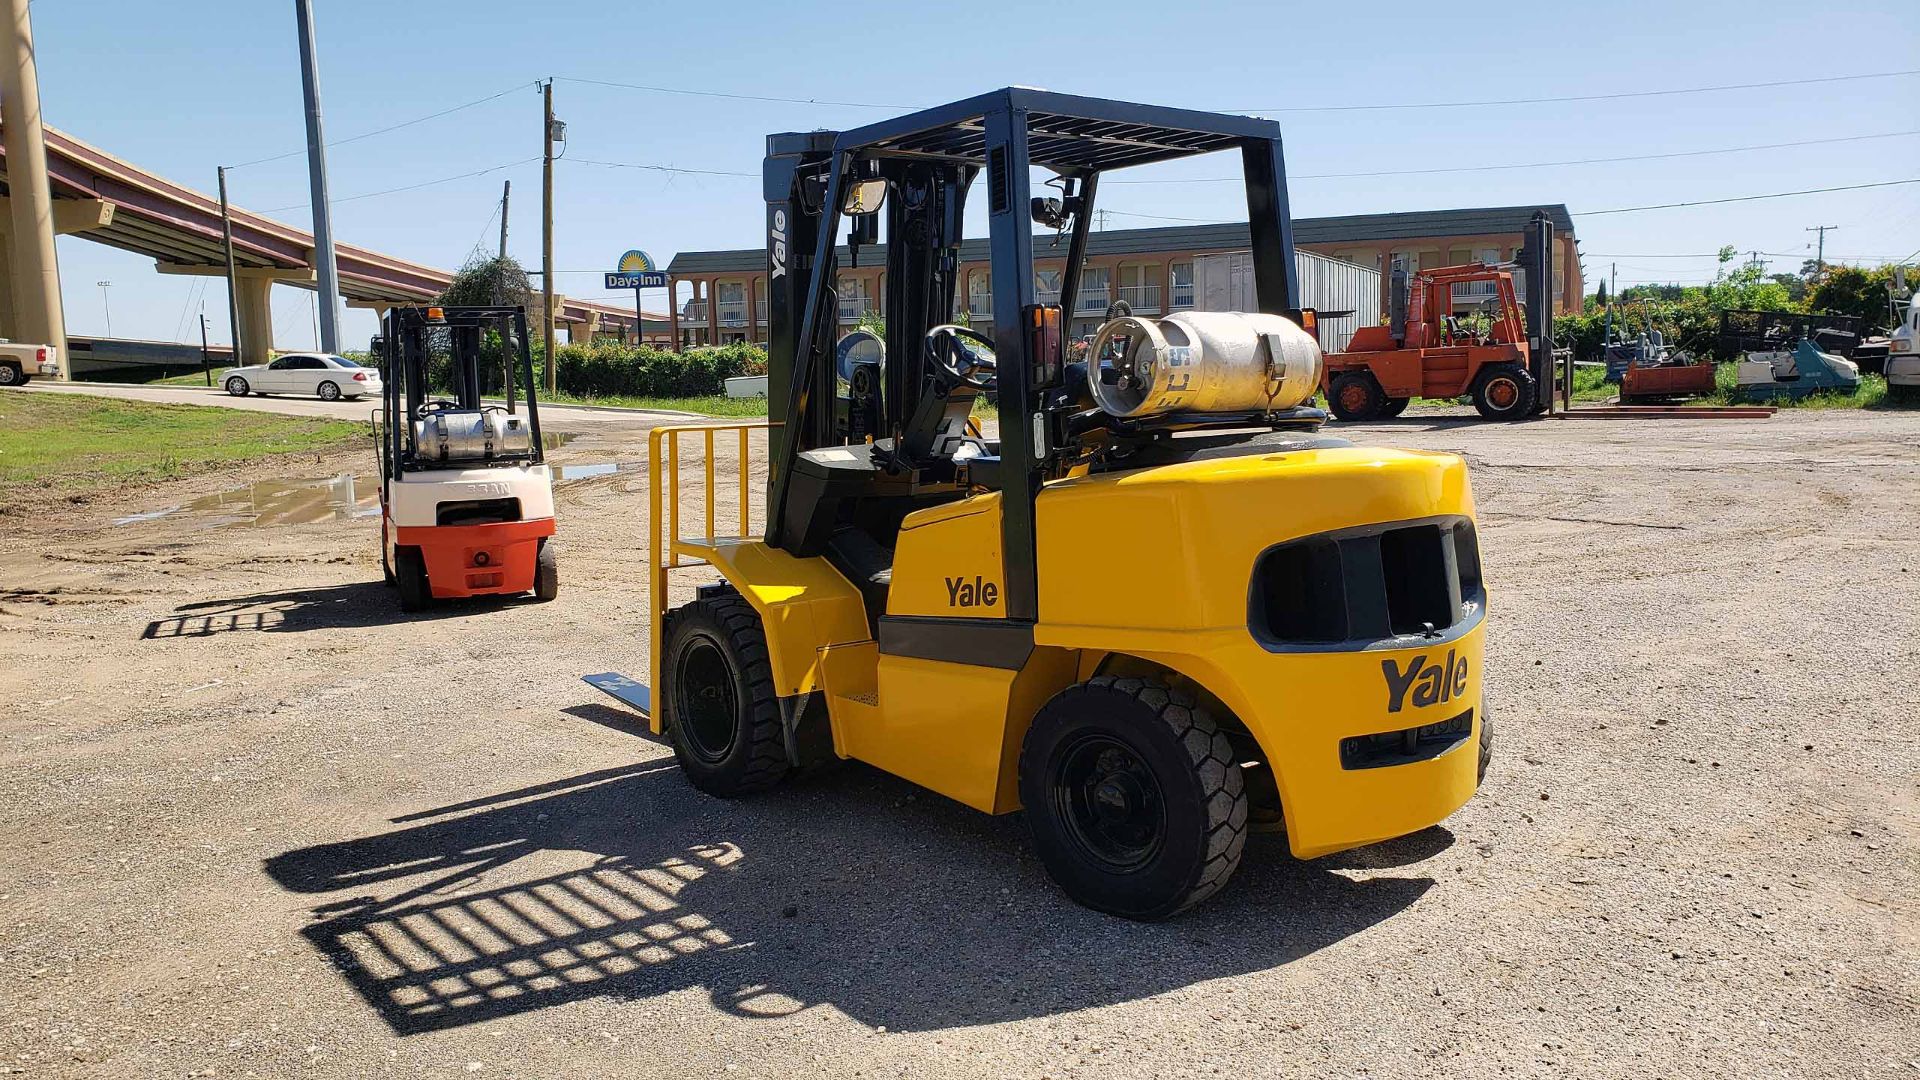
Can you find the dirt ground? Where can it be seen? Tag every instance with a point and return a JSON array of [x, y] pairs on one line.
[[254, 823]]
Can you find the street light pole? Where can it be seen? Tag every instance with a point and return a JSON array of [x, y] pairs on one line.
[[104, 286], [327, 270]]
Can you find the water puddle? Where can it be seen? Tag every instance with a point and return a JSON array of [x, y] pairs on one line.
[[554, 440], [306, 500], [593, 469], [293, 501]]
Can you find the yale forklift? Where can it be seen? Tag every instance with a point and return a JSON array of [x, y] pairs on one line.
[[1156, 610], [466, 499]]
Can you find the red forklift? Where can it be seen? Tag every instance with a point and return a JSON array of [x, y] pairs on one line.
[[1426, 350]]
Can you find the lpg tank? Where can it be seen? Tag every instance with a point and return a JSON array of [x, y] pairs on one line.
[[466, 435], [1202, 362]]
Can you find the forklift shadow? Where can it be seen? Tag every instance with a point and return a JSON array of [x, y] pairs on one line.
[[358, 604], [858, 892]]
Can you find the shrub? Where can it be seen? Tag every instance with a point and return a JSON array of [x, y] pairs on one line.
[[605, 369]]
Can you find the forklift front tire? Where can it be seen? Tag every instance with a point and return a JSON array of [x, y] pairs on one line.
[[1356, 396], [1504, 392], [410, 570], [717, 701], [546, 574], [1135, 798]]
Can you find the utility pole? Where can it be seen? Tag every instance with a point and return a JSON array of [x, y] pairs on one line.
[[500, 295], [329, 300], [546, 240], [206, 360], [1820, 256], [233, 274], [106, 304]]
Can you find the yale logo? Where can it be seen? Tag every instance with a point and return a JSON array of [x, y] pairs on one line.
[[1431, 683], [779, 236], [976, 593]]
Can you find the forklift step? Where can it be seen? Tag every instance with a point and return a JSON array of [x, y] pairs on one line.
[[627, 691]]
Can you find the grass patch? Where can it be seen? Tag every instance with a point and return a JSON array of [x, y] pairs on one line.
[[71, 442]]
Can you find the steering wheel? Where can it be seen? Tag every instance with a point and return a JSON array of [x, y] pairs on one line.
[[436, 405], [962, 354]]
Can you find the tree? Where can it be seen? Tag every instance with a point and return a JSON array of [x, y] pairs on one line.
[[1851, 290], [484, 282]]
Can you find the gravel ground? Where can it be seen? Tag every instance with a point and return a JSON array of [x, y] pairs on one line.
[[255, 823]]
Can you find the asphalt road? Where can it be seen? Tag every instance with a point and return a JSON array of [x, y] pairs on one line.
[[552, 417]]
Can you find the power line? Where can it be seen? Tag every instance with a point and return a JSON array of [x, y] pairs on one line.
[[1533, 164], [664, 168], [1287, 108], [1596, 213], [1715, 255], [1584, 97], [1744, 198], [384, 130], [735, 97], [413, 187]]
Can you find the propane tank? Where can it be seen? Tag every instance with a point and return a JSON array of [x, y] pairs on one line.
[[461, 435], [1202, 362]]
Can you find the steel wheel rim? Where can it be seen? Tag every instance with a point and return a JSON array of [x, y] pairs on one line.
[[1502, 393], [1109, 802], [1353, 398], [7, 376], [704, 706]]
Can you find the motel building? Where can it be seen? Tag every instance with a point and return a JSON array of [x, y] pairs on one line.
[[1150, 269]]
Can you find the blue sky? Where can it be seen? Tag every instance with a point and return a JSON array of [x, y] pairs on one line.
[[181, 95]]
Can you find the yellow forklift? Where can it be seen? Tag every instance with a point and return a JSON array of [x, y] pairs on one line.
[[1157, 610]]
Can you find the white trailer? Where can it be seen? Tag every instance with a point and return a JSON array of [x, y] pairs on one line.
[[1224, 282]]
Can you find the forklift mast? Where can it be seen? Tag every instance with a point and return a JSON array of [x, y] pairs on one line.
[[921, 167], [1537, 259]]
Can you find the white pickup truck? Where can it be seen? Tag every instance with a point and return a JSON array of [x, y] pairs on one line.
[[18, 362]]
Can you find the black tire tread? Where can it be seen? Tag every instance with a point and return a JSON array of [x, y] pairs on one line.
[[1377, 397], [1223, 788], [410, 573], [746, 639], [546, 573], [1529, 392]]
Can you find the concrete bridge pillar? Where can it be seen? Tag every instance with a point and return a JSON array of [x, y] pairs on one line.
[[256, 317], [69, 216], [34, 270]]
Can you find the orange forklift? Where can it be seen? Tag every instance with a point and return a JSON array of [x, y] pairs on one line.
[[1424, 350]]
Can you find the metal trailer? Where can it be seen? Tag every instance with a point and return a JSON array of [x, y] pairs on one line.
[[1224, 282]]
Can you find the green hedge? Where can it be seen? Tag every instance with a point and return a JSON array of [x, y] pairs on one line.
[[605, 369]]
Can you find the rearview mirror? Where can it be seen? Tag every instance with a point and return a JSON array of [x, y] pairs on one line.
[[864, 196]]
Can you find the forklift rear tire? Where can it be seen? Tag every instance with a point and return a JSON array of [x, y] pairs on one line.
[[1356, 396], [1394, 407], [546, 573], [1135, 798], [717, 701], [1504, 392], [410, 570], [1486, 747]]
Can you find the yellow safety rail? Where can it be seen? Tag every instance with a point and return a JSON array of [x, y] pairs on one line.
[[665, 548]]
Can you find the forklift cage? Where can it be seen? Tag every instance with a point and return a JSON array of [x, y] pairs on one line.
[[1003, 133]]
